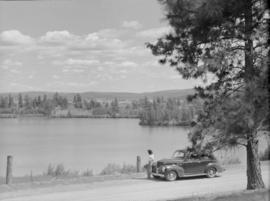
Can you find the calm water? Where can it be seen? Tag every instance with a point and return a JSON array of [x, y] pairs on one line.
[[82, 143]]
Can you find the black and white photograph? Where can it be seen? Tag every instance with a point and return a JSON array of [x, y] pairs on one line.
[[134, 100]]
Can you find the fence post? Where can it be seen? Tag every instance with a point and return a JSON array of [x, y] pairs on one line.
[[138, 164], [149, 170], [9, 170]]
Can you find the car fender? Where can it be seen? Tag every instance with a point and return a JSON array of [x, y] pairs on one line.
[[176, 168], [214, 165]]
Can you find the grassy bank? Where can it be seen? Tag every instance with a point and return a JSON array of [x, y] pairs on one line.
[[58, 173], [258, 195]]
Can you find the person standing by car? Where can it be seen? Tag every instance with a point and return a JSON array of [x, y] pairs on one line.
[[151, 159], [151, 156]]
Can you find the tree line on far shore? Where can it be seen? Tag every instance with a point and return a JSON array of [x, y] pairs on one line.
[[169, 112], [43, 105], [157, 111], [26, 105]]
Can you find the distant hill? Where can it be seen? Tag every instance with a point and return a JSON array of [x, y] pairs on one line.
[[178, 93]]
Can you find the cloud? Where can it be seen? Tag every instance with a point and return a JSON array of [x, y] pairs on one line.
[[72, 84], [57, 37], [77, 84], [104, 38], [15, 71], [9, 62], [98, 41], [30, 76], [132, 24], [128, 64], [15, 86], [15, 37], [11, 66], [107, 55], [55, 77], [61, 44], [82, 62], [113, 65], [154, 32], [76, 65], [111, 33], [69, 69]]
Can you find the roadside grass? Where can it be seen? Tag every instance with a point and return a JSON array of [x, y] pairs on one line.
[[112, 169], [251, 195], [58, 172]]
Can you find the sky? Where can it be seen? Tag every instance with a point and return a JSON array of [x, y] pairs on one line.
[[83, 45]]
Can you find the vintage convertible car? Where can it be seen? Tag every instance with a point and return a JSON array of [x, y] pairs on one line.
[[186, 164]]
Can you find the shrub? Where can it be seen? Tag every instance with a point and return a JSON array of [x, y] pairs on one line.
[[50, 170], [265, 155], [126, 169], [227, 157], [87, 173], [59, 170], [230, 161], [112, 168]]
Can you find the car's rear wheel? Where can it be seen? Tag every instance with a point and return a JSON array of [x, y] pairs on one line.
[[171, 175], [211, 172]]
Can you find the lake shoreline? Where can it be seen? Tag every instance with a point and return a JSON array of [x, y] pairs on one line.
[[165, 124], [154, 124], [12, 116]]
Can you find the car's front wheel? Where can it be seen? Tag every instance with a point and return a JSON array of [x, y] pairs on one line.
[[211, 172], [156, 177], [171, 175]]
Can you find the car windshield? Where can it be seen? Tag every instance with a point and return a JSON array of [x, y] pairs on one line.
[[178, 155]]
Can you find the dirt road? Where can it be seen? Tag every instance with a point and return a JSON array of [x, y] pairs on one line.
[[139, 189]]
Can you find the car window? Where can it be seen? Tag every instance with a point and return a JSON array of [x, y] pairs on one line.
[[179, 155], [194, 156], [207, 157]]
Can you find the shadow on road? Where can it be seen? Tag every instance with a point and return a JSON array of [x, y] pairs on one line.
[[179, 179]]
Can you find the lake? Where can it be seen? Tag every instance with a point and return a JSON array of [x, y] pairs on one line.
[[81, 144]]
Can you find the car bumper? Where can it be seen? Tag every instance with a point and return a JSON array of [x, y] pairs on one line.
[[157, 174]]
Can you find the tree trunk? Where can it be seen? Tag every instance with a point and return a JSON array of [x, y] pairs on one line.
[[254, 176]]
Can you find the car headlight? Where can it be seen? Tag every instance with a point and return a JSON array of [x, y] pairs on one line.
[[163, 168]]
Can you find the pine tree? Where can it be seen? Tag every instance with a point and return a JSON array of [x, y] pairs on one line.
[[227, 39]]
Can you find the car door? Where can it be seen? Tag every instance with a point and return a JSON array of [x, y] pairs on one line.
[[192, 166]]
